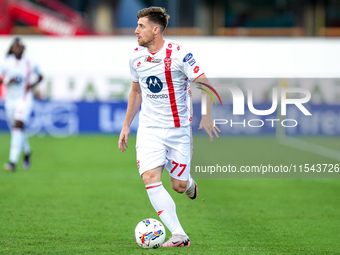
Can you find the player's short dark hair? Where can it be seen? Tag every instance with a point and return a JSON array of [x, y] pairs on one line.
[[156, 15], [16, 40]]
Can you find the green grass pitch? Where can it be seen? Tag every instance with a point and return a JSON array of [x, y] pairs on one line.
[[83, 196]]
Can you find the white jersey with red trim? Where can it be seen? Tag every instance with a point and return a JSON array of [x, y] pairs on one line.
[[23, 72], [164, 77]]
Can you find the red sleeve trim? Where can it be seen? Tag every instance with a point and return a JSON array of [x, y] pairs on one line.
[[197, 77]]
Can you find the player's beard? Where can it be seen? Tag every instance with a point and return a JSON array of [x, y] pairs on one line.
[[146, 42]]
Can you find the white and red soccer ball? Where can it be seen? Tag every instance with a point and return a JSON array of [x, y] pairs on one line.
[[149, 233]]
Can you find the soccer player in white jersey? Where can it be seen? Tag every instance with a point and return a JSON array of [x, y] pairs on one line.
[[20, 76], [160, 71]]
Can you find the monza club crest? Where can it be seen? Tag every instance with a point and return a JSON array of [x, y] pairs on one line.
[[167, 62]]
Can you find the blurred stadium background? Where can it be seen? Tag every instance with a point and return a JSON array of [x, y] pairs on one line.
[[190, 17], [83, 49]]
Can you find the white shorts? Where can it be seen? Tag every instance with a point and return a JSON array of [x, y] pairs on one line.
[[19, 110], [169, 147]]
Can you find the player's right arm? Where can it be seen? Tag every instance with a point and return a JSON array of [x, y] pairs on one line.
[[5, 80], [134, 102]]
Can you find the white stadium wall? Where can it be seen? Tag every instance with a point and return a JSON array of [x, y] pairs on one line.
[[87, 81], [97, 68]]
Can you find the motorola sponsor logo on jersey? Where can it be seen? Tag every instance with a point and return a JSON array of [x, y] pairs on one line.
[[155, 85]]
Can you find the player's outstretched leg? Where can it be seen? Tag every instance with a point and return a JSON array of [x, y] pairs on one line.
[[27, 153], [177, 241], [17, 136], [166, 209], [192, 189]]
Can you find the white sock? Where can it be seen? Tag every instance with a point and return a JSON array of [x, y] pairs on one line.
[[17, 138], [165, 207], [190, 182], [26, 144]]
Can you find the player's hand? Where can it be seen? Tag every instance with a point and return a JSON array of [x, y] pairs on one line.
[[208, 125], [123, 139]]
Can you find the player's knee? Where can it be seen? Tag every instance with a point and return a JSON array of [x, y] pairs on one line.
[[179, 187], [150, 177], [147, 178]]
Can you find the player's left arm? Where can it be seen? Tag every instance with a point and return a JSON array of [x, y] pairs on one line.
[[34, 84], [190, 67], [40, 77], [206, 122]]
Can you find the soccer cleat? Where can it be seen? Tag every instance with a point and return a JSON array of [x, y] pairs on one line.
[[27, 161], [192, 191], [9, 167], [177, 241]]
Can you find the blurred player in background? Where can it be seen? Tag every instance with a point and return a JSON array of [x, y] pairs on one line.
[[20, 76], [160, 71]]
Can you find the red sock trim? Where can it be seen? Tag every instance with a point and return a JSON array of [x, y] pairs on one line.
[[154, 186]]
